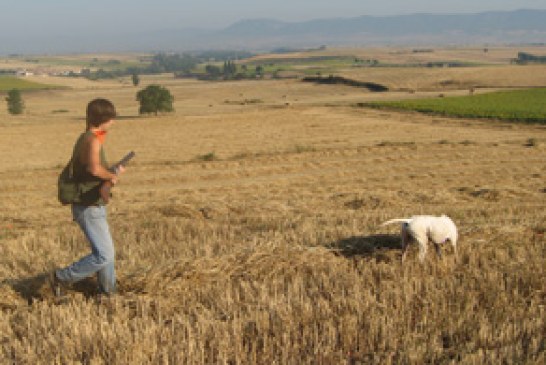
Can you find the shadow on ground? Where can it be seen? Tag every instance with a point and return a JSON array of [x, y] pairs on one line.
[[366, 246], [38, 288]]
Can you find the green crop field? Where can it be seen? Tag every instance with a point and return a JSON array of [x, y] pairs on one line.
[[10, 82], [520, 105]]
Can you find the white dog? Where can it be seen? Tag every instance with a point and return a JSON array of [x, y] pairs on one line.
[[425, 228]]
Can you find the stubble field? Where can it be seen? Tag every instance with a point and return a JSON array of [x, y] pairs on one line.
[[249, 232]]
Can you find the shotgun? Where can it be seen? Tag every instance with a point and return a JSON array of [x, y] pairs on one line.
[[107, 185]]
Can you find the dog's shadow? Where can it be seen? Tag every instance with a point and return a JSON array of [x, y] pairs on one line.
[[366, 246], [36, 288]]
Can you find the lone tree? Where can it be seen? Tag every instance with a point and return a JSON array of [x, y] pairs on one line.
[[260, 71], [136, 79], [15, 102], [155, 99]]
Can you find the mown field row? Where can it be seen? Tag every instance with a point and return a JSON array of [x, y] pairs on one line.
[[519, 105]]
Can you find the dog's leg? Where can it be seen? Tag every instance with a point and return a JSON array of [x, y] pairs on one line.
[[404, 249], [406, 238], [422, 247], [438, 249]]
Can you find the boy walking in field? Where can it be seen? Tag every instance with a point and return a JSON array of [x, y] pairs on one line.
[[90, 170]]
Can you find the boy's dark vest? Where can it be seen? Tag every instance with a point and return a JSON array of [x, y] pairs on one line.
[[86, 186]]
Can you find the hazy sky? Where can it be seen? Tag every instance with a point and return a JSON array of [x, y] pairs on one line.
[[48, 17]]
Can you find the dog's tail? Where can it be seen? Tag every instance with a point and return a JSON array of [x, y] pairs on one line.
[[396, 220]]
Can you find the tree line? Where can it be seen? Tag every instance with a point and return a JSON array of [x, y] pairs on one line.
[[153, 99], [230, 71], [524, 58], [178, 64]]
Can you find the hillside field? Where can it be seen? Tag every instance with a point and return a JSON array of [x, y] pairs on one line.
[[250, 232], [9, 82]]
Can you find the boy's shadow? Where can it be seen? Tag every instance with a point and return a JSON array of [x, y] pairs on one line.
[[366, 246], [38, 287]]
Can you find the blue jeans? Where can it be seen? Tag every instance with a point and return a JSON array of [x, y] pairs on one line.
[[92, 221]]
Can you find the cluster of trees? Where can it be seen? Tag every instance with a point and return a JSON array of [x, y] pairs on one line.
[[230, 68], [178, 64], [153, 99], [227, 72], [160, 63], [524, 58], [230, 71], [100, 74], [171, 63], [368, 62], [213, 71], [446, 64]]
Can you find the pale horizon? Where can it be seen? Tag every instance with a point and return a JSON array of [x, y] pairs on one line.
[[58, 16], [32, 25]]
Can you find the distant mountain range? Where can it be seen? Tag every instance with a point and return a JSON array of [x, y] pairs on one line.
[[520, 26]]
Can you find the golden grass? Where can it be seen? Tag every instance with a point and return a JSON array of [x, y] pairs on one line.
[[272, 253], [428, 79]]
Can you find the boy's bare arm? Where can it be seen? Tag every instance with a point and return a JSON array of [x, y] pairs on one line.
[[92, 160]]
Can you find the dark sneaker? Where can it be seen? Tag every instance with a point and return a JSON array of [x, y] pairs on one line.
[[57, 286], [107, 301]]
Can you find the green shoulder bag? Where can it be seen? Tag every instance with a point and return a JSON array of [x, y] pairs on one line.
[[69, 188]]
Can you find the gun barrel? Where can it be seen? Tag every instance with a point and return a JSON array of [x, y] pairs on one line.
[[126, 159], [123, 161]]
